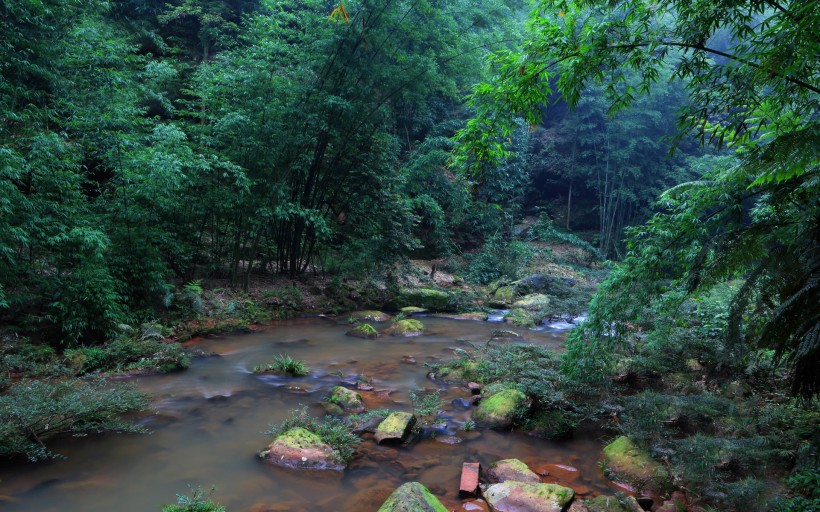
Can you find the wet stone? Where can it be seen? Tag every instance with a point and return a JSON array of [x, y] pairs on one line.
[[476, 506], [412, 497], [470, 472], [511, 496], [511, 469], [395, 427]]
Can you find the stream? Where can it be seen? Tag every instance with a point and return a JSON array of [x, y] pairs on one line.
[[209, 423]]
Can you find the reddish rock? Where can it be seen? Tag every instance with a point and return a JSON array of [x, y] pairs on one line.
[[469, 479], [474, 387], [558, 473], [577, 506], [511, 469]]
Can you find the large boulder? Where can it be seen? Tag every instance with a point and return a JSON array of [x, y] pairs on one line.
[[299, 448], [522, 318], [543, 283], [502, 297], [533, 302], [407, 328], [623, 460], [511, 469], [395, 427], [613, 504], [498, 410], [412, 497], [426, 298], [345, 398], [512, 496]]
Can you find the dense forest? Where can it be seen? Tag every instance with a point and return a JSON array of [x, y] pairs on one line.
[[177, 169]]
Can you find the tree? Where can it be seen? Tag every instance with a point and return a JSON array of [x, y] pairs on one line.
[[750, 70]]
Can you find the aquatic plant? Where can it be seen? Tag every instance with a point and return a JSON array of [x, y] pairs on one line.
[[284, 365], [333, 431]]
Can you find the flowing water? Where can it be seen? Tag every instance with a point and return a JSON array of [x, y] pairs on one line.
[[209, 421]]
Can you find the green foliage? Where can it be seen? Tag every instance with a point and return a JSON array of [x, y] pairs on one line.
[[284, 365], [31, 411], [332, 431], [426, 405], [199, 501], [544, 230], [128, 354], [498, 258], [804, 493]]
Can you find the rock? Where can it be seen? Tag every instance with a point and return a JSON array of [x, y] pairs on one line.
[[477, 316], [501, 334], [511, 469], [395, 427], [445, 439], [503, 297], [332, 409], [461, 403], [407, 327], [370, 316], [624, 460], [412, 310], [345, 398], [543, 283], [300, 448], [412, 497], [476, 506], [559, 472], [578, 506], [533, 302], [497, 411], [521, 317], [462, 371], [612, 504], [409, 360], [470, 472], [512, 496], [474, 387], [425, 298], [365, 331], [645, 502]]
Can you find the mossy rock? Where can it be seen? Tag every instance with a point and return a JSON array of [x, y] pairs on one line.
[[395, 427], [612, 504], [407, 327], [459, 372], [512, 496], [365, 331], [503, 297], [345, 398], [299, 448], [533, 302], [412, 497], [499, 410], [623, 460], [412, 310], [521, 317], [370, 316], [511, 469], [426, 298], [476, 316]]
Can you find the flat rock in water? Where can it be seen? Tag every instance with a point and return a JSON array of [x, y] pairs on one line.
[[395, 427], [412, 497], [370, 316], [511, 469], [299, 448], [345, 398], [470, 472], [407, 327], [511, 496]]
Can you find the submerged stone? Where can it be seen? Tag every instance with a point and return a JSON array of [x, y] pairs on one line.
[[407, 328], [512, 496], [299, 448], [498, 410], [395, 427], [511, 469], [624, 460], [412, 497]]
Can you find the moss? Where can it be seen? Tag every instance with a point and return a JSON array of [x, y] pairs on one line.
[[412, 497], [503, 296], [527, 496], [426, 298], [606, 504], [625, 460], [521, 317], [300, 438], [366, 331], [412, 310], [459, 371], [396, 426], [498, 410], [407, 327], [534, 302], [346, 398]]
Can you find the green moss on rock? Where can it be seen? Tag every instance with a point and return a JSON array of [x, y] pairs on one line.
[[515, 496], [521, 317], [365, 331], [498, 410], [407, 327], [370, 316], [612, 504], [426, 298], [412, 310], [345, 398], [511, 469], [624, 460], [502, 297], [533, 302], [395, 427], [412, 497]]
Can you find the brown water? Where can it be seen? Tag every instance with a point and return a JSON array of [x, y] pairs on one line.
[[209, 423]]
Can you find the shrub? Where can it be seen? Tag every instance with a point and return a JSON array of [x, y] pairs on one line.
[[198, 501], [498, 259], [32, 411], [284, 365], [333, 431], [128, 354]]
